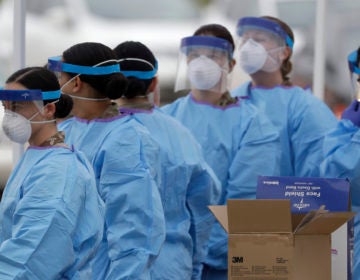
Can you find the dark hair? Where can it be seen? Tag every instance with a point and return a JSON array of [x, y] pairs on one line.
[[286, 66], [216, 30], [45, 80], [132, 49], [89, 54], [358, 57]]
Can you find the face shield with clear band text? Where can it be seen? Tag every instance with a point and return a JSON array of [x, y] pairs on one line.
[[261, 44], [203, 64], [19, 109]]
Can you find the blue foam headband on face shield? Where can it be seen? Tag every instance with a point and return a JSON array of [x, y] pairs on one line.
[[55, 64], [28, 94], [206, 41], [143, 75], [352, 60], [247, 23]]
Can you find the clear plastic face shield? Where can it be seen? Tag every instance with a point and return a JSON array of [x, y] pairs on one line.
[[20, 109], [261, 44], [353, 61], [56, 65], [204, 64]]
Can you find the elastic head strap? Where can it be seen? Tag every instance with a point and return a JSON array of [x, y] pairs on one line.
[[55, 64], [143, 75]]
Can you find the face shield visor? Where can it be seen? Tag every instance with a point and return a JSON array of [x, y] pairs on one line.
[[353, 62], [203, 64], [261, 44], [19, 108], [58, 66]]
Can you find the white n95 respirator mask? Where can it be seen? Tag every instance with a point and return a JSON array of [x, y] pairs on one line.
[[252, 56], [16, 127], [204, 73]]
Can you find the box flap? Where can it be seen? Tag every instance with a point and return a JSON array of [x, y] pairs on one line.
[[220, 212], [296, 219], [310, 216], [260, 215], [325, 223]]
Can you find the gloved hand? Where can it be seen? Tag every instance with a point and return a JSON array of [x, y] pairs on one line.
[[352, 113]]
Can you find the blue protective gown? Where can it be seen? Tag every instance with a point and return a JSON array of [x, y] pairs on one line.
[[342, 151], [51, 217], [302, 121], [125, 160], [188, 186], [238, 144]]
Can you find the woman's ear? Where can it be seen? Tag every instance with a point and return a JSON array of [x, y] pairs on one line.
[[49, 110], [232, 64], [77, 84], [285, 53]]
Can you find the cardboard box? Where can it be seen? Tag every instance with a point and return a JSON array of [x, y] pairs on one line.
[[308, 194], [267, 242]]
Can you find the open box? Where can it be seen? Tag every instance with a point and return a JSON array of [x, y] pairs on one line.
[[266, 241], [306, 194]]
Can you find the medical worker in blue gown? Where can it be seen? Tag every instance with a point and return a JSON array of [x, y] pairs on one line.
[[51, 215], [265, 48], [237, 142], [188, 185], [124, 158], [342, 149]]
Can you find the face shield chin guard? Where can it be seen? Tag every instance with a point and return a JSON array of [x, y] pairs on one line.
[[16, 105], [353, 63], [203, 64]]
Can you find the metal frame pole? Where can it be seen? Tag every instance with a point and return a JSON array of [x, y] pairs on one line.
[[319, 50], [18, 58]]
